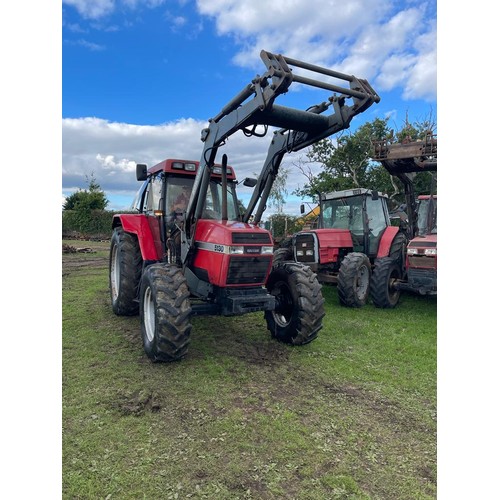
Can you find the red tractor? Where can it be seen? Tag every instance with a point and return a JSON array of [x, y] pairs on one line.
[[189, 251], [417, 271], [353, 231]]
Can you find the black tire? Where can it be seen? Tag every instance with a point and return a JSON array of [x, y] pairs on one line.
[[282, 255], [382, 293], [354, 280], [298, 316], [397, 250], [165, 313], [125, 268]]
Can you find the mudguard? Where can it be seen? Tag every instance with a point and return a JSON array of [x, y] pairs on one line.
[[386, 241], [138, 225]]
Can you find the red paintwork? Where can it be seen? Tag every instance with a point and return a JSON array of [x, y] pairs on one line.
[[220, 233], [330, 241], [138, 224], [384, 246], [422, 240], [166, 166]]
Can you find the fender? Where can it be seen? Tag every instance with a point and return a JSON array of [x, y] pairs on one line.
[[138, 224], [386, 241]]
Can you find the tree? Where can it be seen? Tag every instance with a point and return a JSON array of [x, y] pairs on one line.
[[348, 164], [345, 164], [278, 193], [89, 199]]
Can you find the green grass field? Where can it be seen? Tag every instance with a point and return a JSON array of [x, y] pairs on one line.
[[350, 416]]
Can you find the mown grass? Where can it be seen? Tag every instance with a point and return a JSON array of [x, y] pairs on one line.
[[350, 416]]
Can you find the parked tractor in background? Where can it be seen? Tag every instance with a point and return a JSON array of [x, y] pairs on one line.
[[353, 230], [417, 271], [169, 261]]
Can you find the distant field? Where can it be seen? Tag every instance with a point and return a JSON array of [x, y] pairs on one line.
[[350, 416]]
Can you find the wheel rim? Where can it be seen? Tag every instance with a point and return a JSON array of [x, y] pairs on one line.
[[284, 304], [115, 273], [149, 315], [362, 282]]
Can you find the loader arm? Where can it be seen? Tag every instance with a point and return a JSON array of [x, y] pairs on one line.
[[255, 106]]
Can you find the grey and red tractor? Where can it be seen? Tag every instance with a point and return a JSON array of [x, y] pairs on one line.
[[189, 250]]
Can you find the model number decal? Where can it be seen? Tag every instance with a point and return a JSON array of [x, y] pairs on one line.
[[219, 248]]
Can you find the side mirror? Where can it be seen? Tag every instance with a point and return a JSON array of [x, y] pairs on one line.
[[141, 171], [302, 208], [375, 195], [250, 182]]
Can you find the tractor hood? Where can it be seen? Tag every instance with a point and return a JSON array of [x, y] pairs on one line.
[[231, 233], [336, 238], [232, 254]]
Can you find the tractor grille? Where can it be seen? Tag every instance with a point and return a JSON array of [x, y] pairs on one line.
[[304, 248], [245, 238], [247, 270], [423, 262]]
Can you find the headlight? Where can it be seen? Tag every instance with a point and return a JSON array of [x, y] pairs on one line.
[[267, 250], [430, 251], [235, 250], [300, 253], [309, 252], [412, 251]]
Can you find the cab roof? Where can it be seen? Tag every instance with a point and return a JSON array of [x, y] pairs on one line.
[[189, 167]]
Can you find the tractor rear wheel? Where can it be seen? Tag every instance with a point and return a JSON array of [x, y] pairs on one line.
[[354, 280], [382, 291], [297, 317], [165, 313], [397, 250], [125, 267]]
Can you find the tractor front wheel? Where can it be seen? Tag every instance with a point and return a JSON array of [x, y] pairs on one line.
[[298, 315], [282, 255], [354, 280], [383, 292], [125, 267], [165, 313]]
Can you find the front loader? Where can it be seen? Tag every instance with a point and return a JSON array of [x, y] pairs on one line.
[[168, 264], [416, 271]]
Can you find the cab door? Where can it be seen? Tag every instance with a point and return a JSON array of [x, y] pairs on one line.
[[153, 209], [378, 220]]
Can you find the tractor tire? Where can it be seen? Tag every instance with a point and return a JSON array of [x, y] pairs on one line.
[[125, 268], [397, 250], [282, 255], [165, 313], [382, 293], [298, 315], [354, 280]]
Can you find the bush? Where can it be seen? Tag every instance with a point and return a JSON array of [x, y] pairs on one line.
[[87, 223]]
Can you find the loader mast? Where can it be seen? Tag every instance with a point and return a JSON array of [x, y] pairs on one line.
[[404, 160], [297, 128]]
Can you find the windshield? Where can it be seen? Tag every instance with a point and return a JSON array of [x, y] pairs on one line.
[[213, 204], [427, 216], [343, 213], [179, 190]]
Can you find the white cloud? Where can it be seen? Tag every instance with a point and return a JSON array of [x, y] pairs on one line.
[[92, 9], [96, 9], [368, 38]]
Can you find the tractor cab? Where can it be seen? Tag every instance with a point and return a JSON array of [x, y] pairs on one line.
[[361, 211]]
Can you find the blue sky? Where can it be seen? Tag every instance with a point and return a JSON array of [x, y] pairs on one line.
[[140, 78]]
